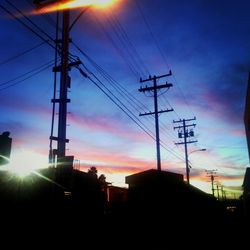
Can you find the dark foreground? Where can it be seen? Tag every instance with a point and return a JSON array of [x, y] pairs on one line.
[[38, 213]]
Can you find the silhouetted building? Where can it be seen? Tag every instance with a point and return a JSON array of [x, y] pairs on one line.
[[56, 192], [246, 192], [166, 197], [247, 116], [117, 198], [246, 183], [5, 147]]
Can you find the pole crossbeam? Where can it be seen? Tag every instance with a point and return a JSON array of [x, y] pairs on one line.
[[156, 77], [181, 143], [159, 112], [187, 126], [167, 85]]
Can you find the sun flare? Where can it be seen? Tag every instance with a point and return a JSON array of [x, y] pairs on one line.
[[72, 4], [25, 162]]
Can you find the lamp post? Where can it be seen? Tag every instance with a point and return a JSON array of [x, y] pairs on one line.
[[197, 150]]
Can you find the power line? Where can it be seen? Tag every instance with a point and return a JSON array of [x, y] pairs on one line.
[[129, 43], [123, 42], [117, 104], [134, 100], [160, 50], [27, 73], [28, 77], [45, 15], [26, 26], [36, 33], [29, 20], [130, 65], [104, 73], [43, 31], [21, 54], [120, 102]]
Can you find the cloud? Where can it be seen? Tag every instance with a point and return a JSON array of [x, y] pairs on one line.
[[112, 169], [224, 97], [110, 125]]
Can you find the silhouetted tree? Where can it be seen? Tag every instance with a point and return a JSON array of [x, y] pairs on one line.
[[93, 171], [102, 179]]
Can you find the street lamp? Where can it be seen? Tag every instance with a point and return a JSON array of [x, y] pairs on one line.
[[202, 149], [197, 150]]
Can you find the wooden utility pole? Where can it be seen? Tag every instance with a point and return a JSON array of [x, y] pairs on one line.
[[156, 112], [184, 132]]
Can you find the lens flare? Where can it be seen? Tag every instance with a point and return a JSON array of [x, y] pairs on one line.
[[25, 162], [72, 4]]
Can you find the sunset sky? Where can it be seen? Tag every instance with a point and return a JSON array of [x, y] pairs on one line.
[[206, 45]]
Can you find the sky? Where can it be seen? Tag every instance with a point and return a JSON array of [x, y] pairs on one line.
[[206, 45]]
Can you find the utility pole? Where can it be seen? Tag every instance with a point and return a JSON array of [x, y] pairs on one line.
[[223, 193], [212, 176], [218, 191], [156, 112], [65, 84], [185, 133]]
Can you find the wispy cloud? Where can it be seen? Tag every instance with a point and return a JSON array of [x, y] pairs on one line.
[[110, 125]]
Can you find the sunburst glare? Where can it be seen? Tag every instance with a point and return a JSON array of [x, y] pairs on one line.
[[25, 162]]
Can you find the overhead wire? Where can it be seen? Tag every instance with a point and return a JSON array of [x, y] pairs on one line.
[[117, 100], [134, 102], [45, 15], [14, 16], [117, 25], [29, 20], [131, 116], [161, 51], [129, 55], [98, 67], [26, 26], [30, 74], [22, 75], [129, 45], [21, 54], [121, 53]]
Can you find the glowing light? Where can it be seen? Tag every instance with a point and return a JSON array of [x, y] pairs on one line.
[[25, 162], [72, 4]]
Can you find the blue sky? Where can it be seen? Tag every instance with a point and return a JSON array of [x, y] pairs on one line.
[[205, 43]]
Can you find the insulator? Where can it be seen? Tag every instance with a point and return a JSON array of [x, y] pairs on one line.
[[191, 133]]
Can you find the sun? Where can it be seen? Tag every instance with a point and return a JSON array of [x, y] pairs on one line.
[[25, 162]]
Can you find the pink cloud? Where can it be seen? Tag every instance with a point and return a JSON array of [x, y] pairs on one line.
[[108, 125], [114, 158], [221, 107], [238, 132], [113, 169]]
